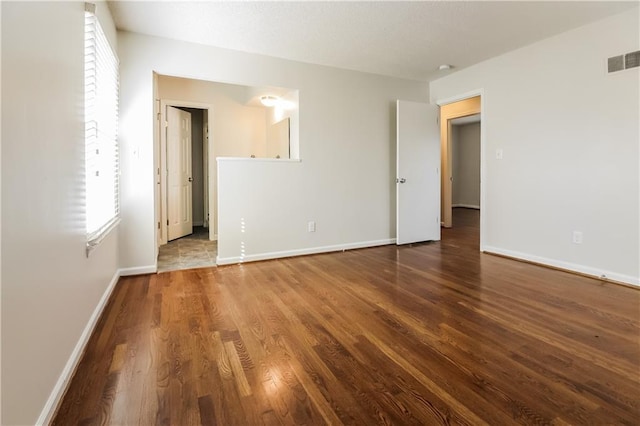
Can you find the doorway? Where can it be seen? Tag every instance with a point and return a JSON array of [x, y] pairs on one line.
[[461, 160], [465, 170], [183, 227], [195, 182], [465, 162]]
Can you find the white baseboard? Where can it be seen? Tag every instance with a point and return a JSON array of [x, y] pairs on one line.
[[586, 270], [139, 270], [466, 206], [302, 252], [46, 416]]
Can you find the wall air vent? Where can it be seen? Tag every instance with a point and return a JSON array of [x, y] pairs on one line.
[[632, 60], [623, 62]]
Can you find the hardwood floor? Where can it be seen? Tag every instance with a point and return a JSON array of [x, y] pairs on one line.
[[433, 333]]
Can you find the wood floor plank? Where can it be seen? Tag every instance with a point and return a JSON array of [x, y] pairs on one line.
[[428, 333]]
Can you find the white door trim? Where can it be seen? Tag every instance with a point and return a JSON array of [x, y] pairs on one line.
[[484, 207], [162, 163]]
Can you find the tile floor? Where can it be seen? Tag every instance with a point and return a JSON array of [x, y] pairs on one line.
[[192, 251]]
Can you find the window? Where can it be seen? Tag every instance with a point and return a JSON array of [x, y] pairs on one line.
[[101, 129]]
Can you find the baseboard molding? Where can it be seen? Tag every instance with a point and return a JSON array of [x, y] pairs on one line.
[[302, 252], [139, 270], [466, 206], [46, 416], [566, 266]]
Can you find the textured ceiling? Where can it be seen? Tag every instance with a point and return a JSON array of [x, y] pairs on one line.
[[402, 39]]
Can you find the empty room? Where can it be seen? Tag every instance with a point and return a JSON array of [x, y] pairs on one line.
[[247, 213]]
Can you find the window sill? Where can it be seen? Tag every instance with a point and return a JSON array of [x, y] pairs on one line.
[[99, 236]]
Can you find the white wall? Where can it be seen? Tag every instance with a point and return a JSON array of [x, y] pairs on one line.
[[466, 165], [279, 113], [570, 137], [347, 145], [237, 130], [49, 287]]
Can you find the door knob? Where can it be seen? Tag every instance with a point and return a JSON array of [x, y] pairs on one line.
[[190, 179], [401, 180]]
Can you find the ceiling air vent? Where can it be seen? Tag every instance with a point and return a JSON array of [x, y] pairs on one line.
[[615, 63], [632, 60]]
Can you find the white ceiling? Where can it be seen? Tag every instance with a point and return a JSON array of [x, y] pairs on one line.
[[402, 39]]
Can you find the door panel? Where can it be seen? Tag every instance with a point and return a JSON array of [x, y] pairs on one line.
[[418, 173], [179, 185]]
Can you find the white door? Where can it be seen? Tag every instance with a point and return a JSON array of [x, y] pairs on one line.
[[179, 180], [418, 173]]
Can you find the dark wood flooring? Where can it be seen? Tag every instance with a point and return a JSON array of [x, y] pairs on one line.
[[434, 333]]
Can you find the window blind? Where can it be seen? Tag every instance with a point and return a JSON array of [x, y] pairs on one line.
[[101, 131]]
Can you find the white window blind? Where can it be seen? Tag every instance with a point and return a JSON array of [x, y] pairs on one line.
[[101, 131]]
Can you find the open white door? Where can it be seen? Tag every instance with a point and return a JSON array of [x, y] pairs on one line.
[[179, 180], [418, 173]]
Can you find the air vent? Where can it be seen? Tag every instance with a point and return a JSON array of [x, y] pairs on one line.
[[632, 60], [623, 62], [616, 63]]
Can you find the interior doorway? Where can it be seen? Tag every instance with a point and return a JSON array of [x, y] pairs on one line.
[[462, 164], [448, 113], [465, 162], [465, 170], [184, 232], [184, 194]]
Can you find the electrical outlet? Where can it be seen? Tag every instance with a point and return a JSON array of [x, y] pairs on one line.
[[311, 226], [577, 237]]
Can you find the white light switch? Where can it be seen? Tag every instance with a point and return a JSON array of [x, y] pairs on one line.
[[311, 226], [498, 154]]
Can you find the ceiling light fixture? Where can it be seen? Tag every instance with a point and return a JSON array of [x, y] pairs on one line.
[[268, 100], [445, 67]]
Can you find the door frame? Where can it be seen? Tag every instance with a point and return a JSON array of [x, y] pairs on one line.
[[446, 158], [161, 169]]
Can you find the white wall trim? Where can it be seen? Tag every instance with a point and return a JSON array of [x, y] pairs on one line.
[[461, 97], [466, 206], [138, 270], [46, 416], [586, 270], [302, 252]]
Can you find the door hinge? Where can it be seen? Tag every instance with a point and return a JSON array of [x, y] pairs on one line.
[[167, 222], [166, 124], [158, 224], [158, 116]]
